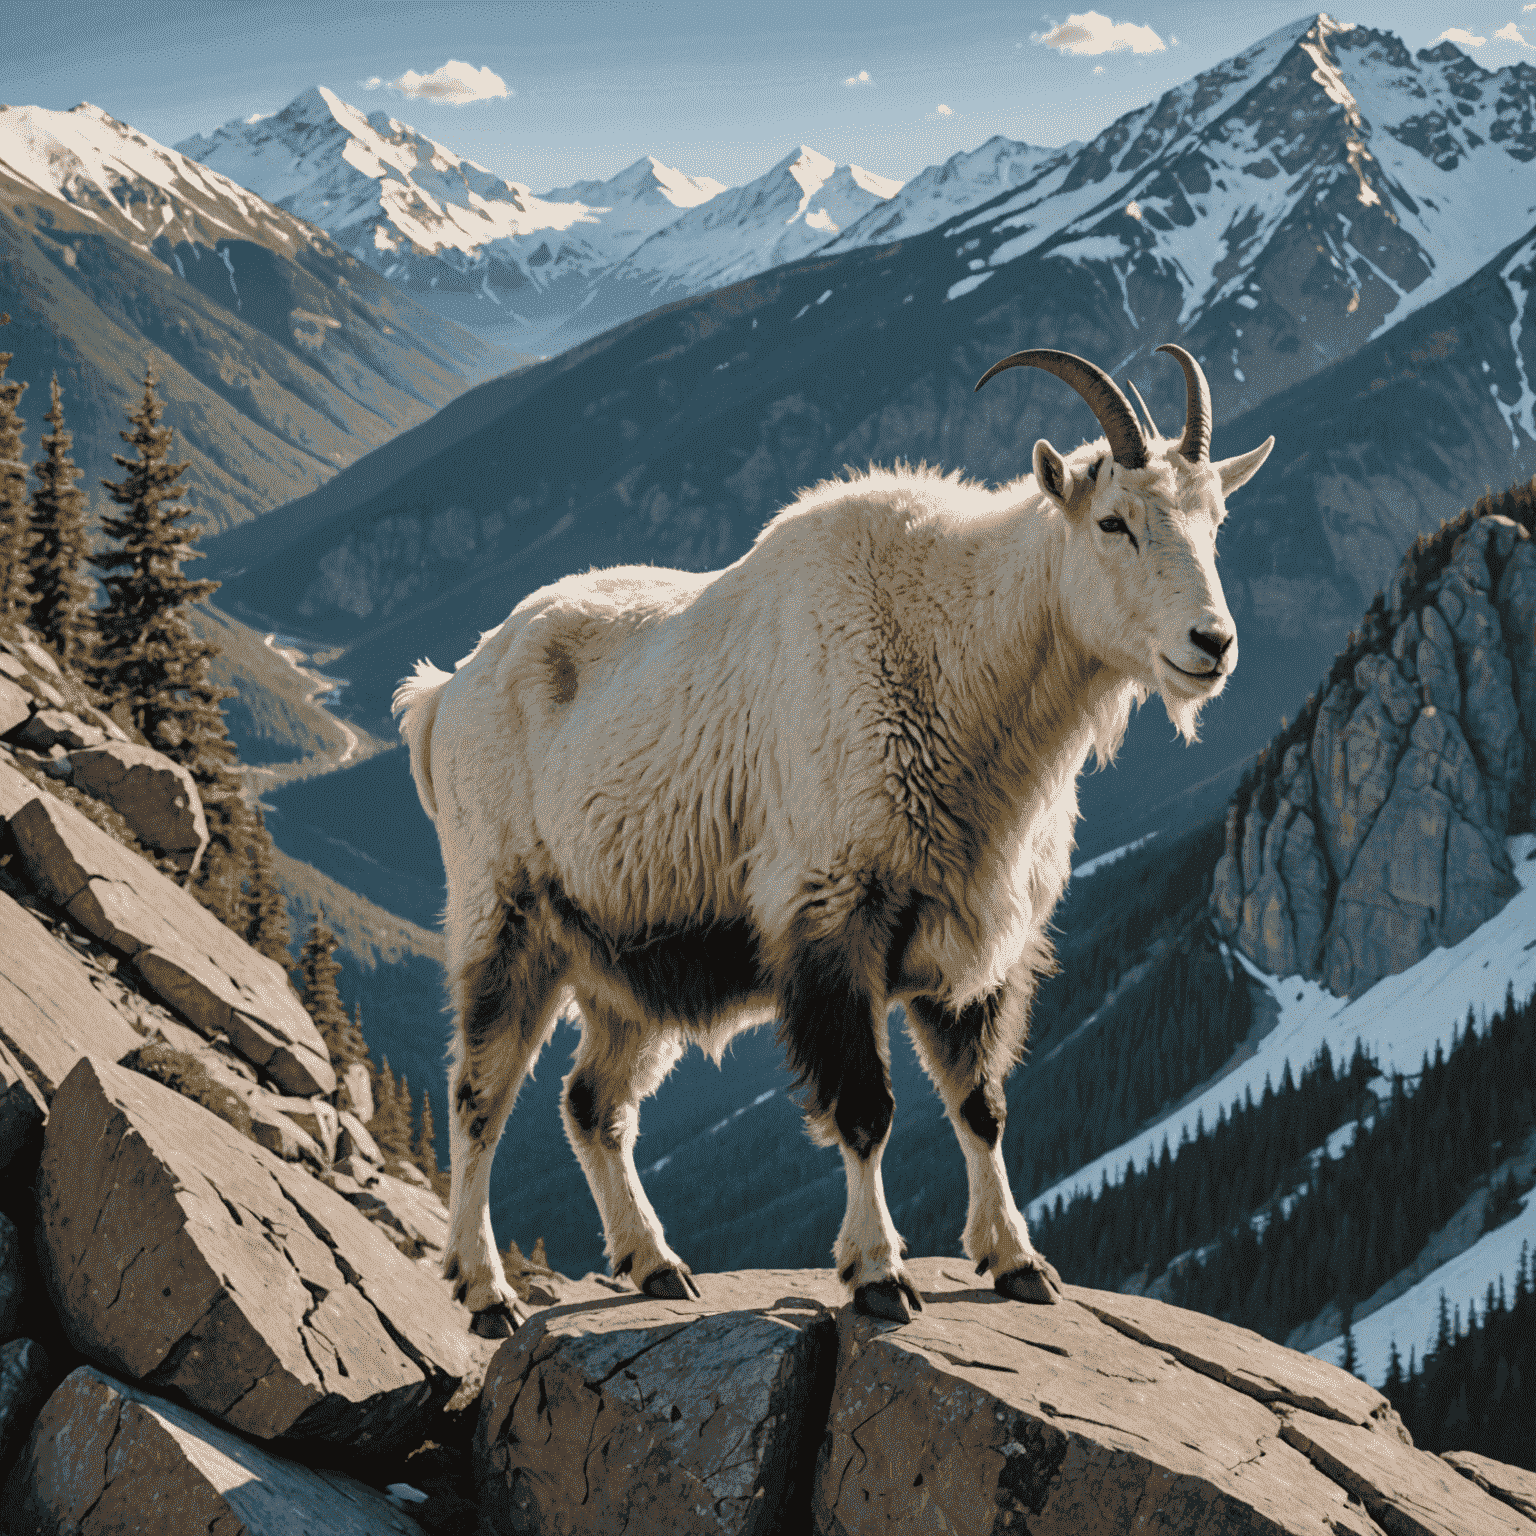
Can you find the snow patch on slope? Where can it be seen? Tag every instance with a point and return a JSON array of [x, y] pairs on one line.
[[1398, 1021]]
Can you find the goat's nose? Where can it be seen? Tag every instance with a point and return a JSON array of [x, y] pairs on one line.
[[1214, 642]]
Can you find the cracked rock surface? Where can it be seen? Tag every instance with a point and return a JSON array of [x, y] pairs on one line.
[[106, 1458], [1374, 827], [1514, 1485], [983, 1415], [628, 1413], [182, 1256], [185, 956]]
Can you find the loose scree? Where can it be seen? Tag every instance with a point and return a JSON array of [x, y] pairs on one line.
[[839, 774]]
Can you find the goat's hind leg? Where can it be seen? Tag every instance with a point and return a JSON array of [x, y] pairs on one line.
[[619, 1064], [967, 1053], [834, 1030], [505, 997]]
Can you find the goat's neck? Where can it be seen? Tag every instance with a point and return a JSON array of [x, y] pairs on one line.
[[1020, 686]]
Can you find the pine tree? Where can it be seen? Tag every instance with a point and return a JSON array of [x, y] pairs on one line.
[[15, 520], [426, 1150], [149, 660], [392, 1117], [148, 655], [61, 588], [318, 971], [1348, 1360], [266, 912]]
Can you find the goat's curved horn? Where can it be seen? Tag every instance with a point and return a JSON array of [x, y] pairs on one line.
[[1195, 445], [1143, 404], [1127, 441]]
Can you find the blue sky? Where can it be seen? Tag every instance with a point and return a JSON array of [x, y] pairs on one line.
[[717, 91]]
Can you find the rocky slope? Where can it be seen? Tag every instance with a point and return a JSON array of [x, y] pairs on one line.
[[1373, 828], [281, 359], [217, 1309]]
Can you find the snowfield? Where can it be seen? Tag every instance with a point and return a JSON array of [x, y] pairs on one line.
[[1397, 1021]]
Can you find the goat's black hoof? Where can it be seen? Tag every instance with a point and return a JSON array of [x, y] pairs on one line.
[[1038, 1283], [887, 1300], [671, 1284], [498, 1322]]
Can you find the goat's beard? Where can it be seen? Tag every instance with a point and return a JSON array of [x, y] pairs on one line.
[[1185, 712]]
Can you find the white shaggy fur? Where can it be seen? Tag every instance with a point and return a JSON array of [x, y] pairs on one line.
[[895, 689]]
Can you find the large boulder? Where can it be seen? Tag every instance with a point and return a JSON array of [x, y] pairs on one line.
[[155, 796], [107, 1458], [181, 1255], [982, 1415], [184, 955], [1512, 1485], [50, 1014], [687, 1417]]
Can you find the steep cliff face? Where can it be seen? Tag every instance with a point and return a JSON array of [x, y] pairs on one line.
[[1373, 828]]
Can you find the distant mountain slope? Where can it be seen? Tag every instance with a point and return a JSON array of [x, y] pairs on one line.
[[281, 359], [466, 241], [539, 271]]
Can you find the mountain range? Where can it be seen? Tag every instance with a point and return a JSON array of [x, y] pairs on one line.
[[535, 271], [280, 358]]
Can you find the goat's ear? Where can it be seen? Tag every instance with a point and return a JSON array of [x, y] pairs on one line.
[[1242, 469], [1052, 475]]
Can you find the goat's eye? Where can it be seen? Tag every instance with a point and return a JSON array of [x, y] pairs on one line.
[[1113, 525]]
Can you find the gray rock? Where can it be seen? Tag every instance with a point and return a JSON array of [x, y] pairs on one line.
[[1438, 677], [1407, 1492], [106, 1457], [184, 955], [15, 706], [57, 728], [1517, 601], [353, 1140], [180, 1255], [50, 1014], [355, 1091], [315, 1118], [12, 1277], [155, 796], [24, 1377], [1104, 1414], [1513, 1485], [633, 1414]]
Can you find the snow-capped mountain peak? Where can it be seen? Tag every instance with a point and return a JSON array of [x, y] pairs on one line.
[[118, 177]]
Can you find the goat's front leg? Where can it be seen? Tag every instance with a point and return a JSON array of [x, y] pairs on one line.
[[966, 1053], [619, 1064], [835, 1031], [505, 998]]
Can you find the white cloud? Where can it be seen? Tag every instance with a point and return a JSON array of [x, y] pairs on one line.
[[454, 83], [1510, 33], [373, 82], [1091, 33], [862, 78], [942, 111], [1098, 69], [258, 117], [1461, 37], [941, 114]]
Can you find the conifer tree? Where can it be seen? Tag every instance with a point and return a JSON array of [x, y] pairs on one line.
[[61, 588], [266, 912], [426, 1150], [318, 970], [15, 519], [392, 1117], [149, 659], [148, 656]]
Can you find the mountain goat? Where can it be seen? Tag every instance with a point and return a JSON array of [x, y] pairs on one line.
[[839, 774]]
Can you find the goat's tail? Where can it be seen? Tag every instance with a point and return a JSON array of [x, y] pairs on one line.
[[415, 705]]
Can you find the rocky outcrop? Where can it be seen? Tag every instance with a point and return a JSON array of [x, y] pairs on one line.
[[698, 1417], [24, 1379], [47, 719], [106, 1457], [1374, 828], [185, 957], [155, 796], [1514, 1485], [182, 1256], [771, 1405]]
